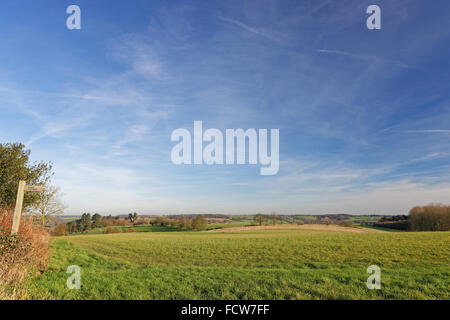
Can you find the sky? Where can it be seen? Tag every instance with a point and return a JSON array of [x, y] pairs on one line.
[[363, 115]]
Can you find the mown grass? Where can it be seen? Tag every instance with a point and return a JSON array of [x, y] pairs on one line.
[[271, 264]]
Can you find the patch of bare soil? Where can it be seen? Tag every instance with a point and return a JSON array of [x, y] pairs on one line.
[[297, 227]]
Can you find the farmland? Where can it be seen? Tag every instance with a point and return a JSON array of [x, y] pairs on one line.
[[258, 264]]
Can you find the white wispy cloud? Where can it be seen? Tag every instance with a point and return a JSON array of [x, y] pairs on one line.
[[135, 133], [365, 57], [425, 131], [431, 156], [138, 52], [90, 107], [258, 31], [319, 7]]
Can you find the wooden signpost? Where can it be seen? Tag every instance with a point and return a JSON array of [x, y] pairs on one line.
[[19, 203]]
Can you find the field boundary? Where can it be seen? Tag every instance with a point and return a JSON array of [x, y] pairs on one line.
[[319, 227]]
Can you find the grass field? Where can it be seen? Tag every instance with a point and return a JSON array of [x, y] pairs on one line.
[[270, 264]]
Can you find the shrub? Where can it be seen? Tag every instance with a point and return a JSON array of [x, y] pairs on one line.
[[114, 222], [109, 230], [141, 221], [59, 230], [398, 225], [345, 224], [20, 254], [14, 260]]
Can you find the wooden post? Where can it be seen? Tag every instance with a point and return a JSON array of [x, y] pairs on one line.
[[19, 203], [18, 210]]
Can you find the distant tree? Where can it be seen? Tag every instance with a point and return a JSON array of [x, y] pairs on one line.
[[433, 217], [47, 204], [185, 223], [96, 220], [15, 165], [157, 221], [198, 222], [310, 220], [258, 218], [85, 222], [132, 217], [174, 223], [273, 217], [72, 226]]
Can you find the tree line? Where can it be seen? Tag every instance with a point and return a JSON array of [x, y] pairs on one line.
[[433, 217], [197, 222], [260, 218], [89, 222]]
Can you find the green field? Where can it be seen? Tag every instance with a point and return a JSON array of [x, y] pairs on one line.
[[271, 264], [155, 228]]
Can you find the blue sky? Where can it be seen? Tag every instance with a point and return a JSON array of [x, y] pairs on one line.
[[364, 115]]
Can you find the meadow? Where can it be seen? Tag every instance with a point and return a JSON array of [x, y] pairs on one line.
[[269, 264]]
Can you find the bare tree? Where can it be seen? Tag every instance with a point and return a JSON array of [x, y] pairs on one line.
[[273, 217], [132, 217], [261, 218], [199, 222], [258, 218], [48, 204]]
